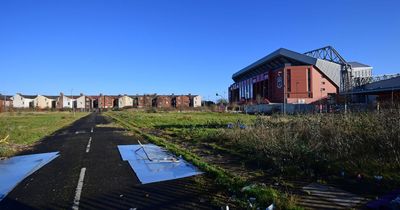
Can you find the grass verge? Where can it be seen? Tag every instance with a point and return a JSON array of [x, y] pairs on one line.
[[26, 128]]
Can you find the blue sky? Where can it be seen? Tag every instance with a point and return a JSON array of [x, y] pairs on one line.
[[178, 46]]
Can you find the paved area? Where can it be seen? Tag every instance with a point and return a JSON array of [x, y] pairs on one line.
[[89, 174]]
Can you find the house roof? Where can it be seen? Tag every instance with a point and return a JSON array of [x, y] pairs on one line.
[[29, 96], [8, 97], [392, 84], [281, 56], [52, 97], [355, 64]]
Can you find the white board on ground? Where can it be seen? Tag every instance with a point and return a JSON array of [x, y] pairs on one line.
[[15, 169], [159, 168]]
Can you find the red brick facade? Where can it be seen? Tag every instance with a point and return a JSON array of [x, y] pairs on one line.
[[105, 101], [296, 84]]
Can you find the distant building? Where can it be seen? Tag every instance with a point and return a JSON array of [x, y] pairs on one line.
[[45, 102], [181, 101], [107, 101], [383, 91], [86, 102], [361, 73], [66, 101], [23, 101], [285, 76], [81, 102], [163, 101], [6, 102], [195, 100], [125, 101]]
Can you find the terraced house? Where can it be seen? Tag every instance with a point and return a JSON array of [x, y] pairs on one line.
[[45, 102], [86, 103], [23, 101]]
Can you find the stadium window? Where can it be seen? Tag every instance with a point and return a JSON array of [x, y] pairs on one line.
[[289, 80], [309, 79]]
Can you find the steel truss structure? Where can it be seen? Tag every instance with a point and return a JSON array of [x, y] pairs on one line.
[[329, 53]]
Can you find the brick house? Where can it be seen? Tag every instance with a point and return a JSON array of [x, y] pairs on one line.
[[107, 102], [181, 101], [163, 101], [5, 102]]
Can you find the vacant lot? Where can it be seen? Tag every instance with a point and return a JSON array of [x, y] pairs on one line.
[[278, 152], [26, 128]]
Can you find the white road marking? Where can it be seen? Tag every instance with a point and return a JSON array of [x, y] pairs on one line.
[[91, 131], [78, 192], [88, 145]]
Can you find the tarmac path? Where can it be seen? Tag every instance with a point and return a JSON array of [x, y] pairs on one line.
[[89, 174]]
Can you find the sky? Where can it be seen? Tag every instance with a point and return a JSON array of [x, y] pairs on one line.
[[178, 46]]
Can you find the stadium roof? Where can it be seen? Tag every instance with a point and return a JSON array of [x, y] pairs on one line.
[[355, 64], [281, 56]]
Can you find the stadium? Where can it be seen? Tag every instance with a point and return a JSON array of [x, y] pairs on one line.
[[286, 76]]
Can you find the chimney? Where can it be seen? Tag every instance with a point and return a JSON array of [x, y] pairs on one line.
[[81, 94]]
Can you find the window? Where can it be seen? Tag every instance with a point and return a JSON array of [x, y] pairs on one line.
[[289, 80], [68, 103], [323, 83], [309, 80]]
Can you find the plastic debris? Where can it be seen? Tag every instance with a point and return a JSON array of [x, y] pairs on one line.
[[395, 203], [230, 126], [248, 187], [252, 199], [225, 207], [378, 178], [270, 207]]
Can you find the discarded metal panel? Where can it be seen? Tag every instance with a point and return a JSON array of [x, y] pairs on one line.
[[154, 164], [323, 196], [15, 169]]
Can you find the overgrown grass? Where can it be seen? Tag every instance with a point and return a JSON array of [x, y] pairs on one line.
[[25, 128], [366, 143], [264, 195], [315, 147]]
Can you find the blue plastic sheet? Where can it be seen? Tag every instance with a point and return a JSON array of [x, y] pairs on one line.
[[159, 168], [15, 169]]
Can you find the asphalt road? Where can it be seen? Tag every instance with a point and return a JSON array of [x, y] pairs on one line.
[[108, 182]]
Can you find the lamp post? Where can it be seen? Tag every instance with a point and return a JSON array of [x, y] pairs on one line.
[[72, 103], [4, 103]]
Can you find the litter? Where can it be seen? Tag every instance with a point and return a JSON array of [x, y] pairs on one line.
[[386, 201], [15, 169], [154, 159], [5, 140], [154, 164], [378, 178], [79, 132], [270, 207], [334, 195]]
